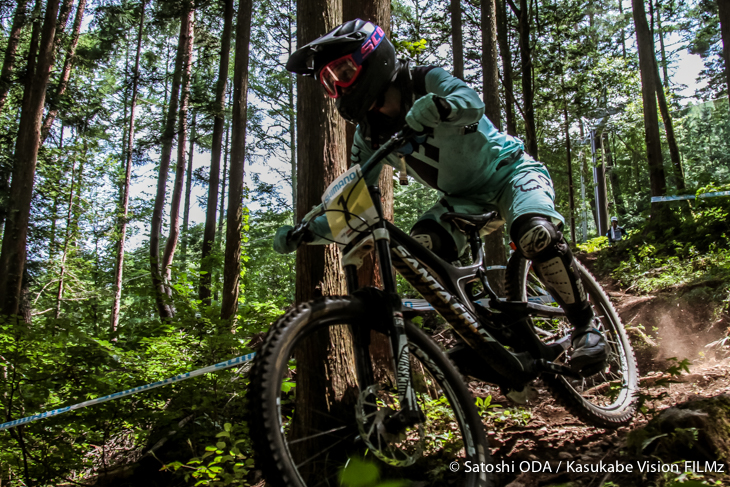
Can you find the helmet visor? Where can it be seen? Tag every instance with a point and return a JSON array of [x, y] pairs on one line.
[[340, 73]]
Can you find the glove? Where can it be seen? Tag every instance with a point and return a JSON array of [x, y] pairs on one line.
[[428, 111], [281, 240]]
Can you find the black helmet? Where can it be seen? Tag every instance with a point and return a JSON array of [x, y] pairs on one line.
[[359, 61]]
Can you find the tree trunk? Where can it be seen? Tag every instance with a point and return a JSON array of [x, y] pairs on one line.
[[493, 243], [12, 258], [188, 188], [647, 65], [506, 54], [6, 74], [161, 289], [224, 176], [377, 12], [321, 147], [206, 263], [182, 132], [65, 73], [571, 198], [723, 8], [669, 129], [35, 38], [523, 25], [66, 241], [623, 31], [662, 50], [457, 40], [129, 152], [234, 220]]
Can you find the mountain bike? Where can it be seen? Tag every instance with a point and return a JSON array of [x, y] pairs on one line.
[[345, 378]]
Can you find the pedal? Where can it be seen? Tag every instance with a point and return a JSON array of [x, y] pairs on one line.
[[523, 396]]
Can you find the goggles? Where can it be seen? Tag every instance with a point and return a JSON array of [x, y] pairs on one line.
[[342, 72]]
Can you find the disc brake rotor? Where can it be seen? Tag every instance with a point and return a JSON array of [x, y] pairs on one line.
[[399, 449]]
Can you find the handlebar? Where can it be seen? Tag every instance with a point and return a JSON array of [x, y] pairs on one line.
[[300, 232]]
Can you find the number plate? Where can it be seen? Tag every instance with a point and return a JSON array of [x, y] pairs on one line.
[[350, 209]]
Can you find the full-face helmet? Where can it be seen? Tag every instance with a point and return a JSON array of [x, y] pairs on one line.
[[354, 63]]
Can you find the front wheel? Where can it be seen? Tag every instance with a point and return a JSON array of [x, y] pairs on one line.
[[315, 410], [606, 399]]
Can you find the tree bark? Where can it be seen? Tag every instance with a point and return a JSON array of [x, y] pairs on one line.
[[65, 73], [13, 255], [66, 240], [188, 188], [524, 28], [234, 221], [647, 66], [506, 54], [457, 40], [662, 49], [571, 198], [182, 133], [321, 158], [129, 152], [494, 242], [377, 12], [6, 74], [161, 288], [206, 263], [669, 129], [723, 7]]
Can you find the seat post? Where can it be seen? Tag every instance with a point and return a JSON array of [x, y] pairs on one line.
[[475, 244]]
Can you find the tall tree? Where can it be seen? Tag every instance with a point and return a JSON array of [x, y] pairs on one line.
[[647, 66], [321, 156], [724, 14], [524, 28], [161, 289], [65, 72], [206, 265], [506, 55], [13, 255], [493, 243], [182, 134], [378, 12], [457, 40], [234, 221], [129, 151], [11, 50], [188, 189]]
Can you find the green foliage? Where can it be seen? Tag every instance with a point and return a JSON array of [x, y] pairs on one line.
[[228, 462], [361, 473], [593, 245]]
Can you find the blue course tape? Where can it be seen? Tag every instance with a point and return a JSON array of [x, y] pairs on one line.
[[657, 199], [188, 375], [423, 305]]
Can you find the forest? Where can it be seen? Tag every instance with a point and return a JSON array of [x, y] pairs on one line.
[[150, 149]]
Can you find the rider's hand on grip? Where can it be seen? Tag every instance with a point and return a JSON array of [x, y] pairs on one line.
[[288, 238], [428, 111]]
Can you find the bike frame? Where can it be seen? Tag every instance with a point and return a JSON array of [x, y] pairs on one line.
[[448, 289]]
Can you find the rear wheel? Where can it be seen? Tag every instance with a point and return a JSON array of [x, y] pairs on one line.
[[607, 398], [306, 430]]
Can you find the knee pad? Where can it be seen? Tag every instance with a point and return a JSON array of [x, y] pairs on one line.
[[435, 238], [536, 237], [539, 240]]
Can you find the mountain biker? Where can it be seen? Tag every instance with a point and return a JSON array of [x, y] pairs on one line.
[[476, 167]]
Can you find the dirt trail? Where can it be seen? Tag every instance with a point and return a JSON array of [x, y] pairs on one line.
[[660, 326]]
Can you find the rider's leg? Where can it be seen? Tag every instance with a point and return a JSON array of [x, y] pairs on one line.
[[529, 204], [443, 238], [539, 240]]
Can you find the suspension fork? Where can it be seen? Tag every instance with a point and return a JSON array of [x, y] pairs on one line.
[[409, 413]]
